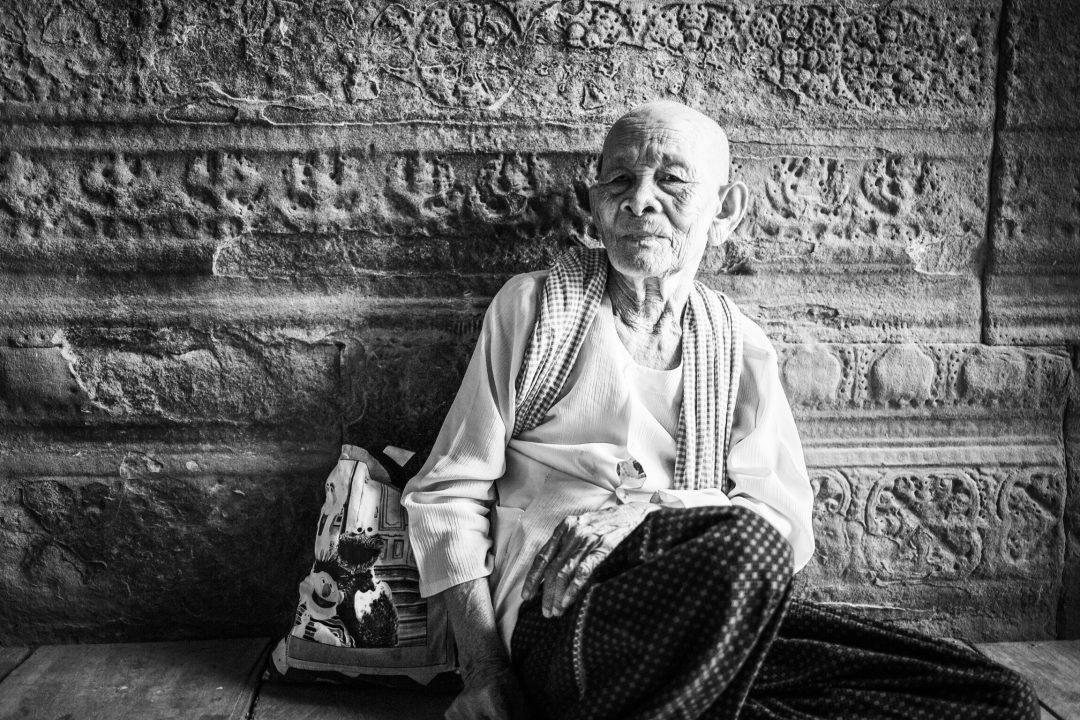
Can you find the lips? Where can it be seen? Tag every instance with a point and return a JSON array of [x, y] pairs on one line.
[[640, 237], [326, 604]]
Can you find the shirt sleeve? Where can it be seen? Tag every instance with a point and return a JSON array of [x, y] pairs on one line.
[[765, 461], [449, 501]]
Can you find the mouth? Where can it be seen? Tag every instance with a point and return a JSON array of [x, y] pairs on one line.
[[325, 604], [641, 237]]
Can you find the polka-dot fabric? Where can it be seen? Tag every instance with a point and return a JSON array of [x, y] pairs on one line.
[[686, 619], [830, 664]]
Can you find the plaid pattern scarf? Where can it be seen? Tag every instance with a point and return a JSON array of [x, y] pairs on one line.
[[711, 360]]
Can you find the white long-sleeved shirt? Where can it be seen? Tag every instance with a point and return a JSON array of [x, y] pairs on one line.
[[485, 502]]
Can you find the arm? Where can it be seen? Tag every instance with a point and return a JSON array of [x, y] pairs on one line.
[[491, 689], [449, 501]]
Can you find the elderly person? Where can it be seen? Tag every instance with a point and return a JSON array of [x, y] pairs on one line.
[[617, 500]]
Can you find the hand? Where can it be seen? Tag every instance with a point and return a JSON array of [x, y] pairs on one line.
[[578, 545], [491, 693]]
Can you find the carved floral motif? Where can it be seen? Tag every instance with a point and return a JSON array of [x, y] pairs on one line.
[[935, 525], [922, 376], [475, 56]]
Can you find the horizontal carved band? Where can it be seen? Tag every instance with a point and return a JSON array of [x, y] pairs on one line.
[[324, 214], [340, 61], [909, 376], [937, 524]]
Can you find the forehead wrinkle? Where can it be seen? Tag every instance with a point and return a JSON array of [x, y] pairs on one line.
[[640, 132]]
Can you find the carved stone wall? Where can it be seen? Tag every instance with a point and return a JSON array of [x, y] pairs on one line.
[[234, 235]]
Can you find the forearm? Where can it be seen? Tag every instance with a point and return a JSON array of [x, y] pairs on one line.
[[472, 617]]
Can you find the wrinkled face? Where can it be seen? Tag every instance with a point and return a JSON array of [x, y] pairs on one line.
[[658, 193]]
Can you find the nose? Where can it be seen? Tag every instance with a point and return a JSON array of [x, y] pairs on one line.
[[640, 198]]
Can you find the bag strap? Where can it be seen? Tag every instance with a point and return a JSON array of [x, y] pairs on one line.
[[399, 474]]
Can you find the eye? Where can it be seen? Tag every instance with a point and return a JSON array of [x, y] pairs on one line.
[[617, 179], [669, 177]]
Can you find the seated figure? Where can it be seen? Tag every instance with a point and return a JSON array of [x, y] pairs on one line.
[[617, 501]]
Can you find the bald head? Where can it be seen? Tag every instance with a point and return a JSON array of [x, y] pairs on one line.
[[669, 117]]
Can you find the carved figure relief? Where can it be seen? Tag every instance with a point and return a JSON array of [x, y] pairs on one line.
[[475, 56], [1030, 508], [898, 208], [28, 195], [924, 527]]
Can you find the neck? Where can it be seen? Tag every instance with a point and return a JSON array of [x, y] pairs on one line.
[[648, 317], [647, 304]]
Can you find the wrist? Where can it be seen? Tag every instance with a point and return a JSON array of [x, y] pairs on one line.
[[477, 670]]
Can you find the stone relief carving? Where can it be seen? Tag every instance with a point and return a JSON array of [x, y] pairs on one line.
[[899, 208], [923, 527], [28, 195], [935, 525], [1030, 506], [230, 187], [808, 209], [922, 376], [476, 56]]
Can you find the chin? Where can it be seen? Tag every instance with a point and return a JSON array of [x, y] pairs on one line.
[[645, 262]]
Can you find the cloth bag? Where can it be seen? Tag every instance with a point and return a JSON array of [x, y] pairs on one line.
[[360, 614]]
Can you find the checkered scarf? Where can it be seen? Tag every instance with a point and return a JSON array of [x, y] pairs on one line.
[[712, 359]]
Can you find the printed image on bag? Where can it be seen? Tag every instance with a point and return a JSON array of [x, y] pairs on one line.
[[360, 611]]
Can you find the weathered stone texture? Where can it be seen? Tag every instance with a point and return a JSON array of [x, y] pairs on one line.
[[1033, 287], [933, 506], [341, 212], [970, 549], [1041, 55], [151, 555], [172, 376], [332, 61], [234, 235], [942, 379], [1069, 607]]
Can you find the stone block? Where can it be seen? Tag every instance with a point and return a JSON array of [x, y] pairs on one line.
[[1041, 65], [39, 381], [969, 550], [152, 555], [1069, 607], [189, 451], [400, 383], [882, 306], [174, 376], [919, 62], [926, 380], [939, 479], [1033, 287]]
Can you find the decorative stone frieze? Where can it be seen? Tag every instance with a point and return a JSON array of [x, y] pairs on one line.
[[318, 61]]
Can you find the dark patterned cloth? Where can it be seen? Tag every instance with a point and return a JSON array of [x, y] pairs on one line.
[[690, 617]]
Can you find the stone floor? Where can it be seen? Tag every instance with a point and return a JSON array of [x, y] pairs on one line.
[[222, 679]]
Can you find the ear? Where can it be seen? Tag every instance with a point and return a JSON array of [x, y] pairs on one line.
[[734, 198]]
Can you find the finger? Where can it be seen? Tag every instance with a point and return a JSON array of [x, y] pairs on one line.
[[561, 571], [582, 575], [542, 559]]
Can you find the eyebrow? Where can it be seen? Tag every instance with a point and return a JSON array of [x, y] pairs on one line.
[[622, 159]]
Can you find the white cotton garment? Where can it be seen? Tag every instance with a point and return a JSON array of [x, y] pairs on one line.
[[485, 503]]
